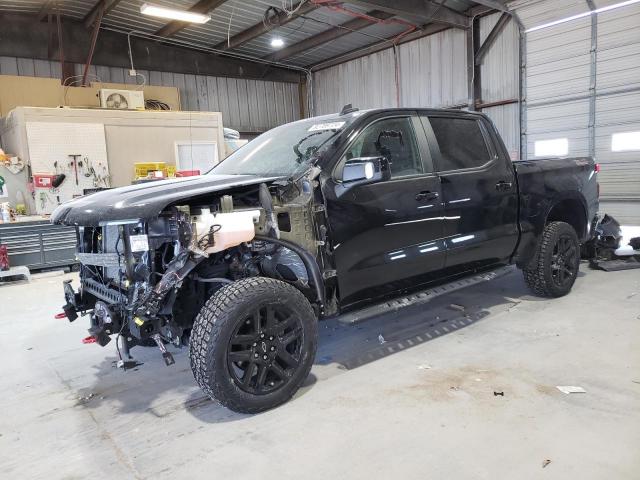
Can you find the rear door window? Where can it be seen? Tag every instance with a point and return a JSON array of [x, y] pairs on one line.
[[461, 142]]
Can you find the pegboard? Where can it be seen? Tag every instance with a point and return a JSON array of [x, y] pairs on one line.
[[51, 143]]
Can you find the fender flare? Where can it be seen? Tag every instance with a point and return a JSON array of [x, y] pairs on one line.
[[569, 195]]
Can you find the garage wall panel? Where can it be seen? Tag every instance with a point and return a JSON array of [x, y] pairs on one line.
[[506, 120], [499, 70], [538, 12], [246, 105], [366, 82], [559, 95], [433, 72], [558, 73], [618, 109]]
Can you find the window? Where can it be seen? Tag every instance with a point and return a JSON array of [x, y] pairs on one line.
[[625, 142], [202, 156], [285, 150], [461, 143], [394, 139], [558, 147]]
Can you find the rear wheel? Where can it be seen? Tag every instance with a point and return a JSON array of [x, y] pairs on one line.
[[557, 262], [253, 344]]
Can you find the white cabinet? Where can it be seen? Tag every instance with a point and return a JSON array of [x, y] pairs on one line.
[[107, 141]]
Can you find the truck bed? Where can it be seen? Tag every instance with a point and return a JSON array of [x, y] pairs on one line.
[[545, 182]]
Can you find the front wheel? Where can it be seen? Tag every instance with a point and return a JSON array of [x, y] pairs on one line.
[[557, 261], [253, 344]]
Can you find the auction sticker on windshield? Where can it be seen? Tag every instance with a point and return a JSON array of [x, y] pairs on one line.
[[326, 126]]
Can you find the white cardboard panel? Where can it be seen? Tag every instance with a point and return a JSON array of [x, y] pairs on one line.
[[51, 142]]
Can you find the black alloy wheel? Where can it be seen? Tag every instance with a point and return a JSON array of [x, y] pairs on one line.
[[555, 266], [253, 344], [564, 266], [264, 351]]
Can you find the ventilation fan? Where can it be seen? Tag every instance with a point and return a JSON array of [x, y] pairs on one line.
[[122, 99]]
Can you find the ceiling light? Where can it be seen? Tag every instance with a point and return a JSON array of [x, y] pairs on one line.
[[582, 15], [173, 14], [277, 42]]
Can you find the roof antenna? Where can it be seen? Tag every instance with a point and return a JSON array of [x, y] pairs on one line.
[[348, 108]]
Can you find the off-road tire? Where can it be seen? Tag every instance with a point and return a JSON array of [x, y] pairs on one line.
[[538, 275], [215, 325]]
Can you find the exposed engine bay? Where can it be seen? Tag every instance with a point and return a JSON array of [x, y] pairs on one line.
[[145, 280]]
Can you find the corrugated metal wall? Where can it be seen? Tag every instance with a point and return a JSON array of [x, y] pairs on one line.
[[618, 109], [431, 71], [431, 75], [561, 92], [557, 79], [366, 82], [246, 105], [500, 80]]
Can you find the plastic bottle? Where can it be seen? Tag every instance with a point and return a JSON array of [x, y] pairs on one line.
[[229, 229], [21, 206], [5, 213]]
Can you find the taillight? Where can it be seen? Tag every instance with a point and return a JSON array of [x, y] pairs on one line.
[[597, 168]]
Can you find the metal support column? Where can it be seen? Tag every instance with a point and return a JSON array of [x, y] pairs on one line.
[[471, 67], [60, 47], [522, 94], [593, 79], [477, 65]]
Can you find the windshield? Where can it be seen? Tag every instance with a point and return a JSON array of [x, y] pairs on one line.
[[283, 151]]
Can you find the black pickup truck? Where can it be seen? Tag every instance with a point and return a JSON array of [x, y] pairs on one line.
[[312, 219]]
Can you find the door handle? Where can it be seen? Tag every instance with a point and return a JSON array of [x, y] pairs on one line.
[[503, 186], [426, 195]]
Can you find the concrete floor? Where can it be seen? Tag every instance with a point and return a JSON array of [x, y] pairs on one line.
[[421, 405]]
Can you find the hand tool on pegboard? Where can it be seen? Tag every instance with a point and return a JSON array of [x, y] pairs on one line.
[[74, 163], [87, 167]]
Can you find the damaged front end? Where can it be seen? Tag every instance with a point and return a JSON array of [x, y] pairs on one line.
[[605, 240], [145, 280]]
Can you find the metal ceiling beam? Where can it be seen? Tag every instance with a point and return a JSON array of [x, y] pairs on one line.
[[491, 38], [92, 47], [377, 47], [203, 6], [495, 4], [46, 9], [260, 28], [328, 35], [104, 6], [22, 36], [425, 10]]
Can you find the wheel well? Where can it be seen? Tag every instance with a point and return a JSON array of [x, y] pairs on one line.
[[572, 212]]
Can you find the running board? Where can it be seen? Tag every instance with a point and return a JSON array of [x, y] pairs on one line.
[[421, 297]]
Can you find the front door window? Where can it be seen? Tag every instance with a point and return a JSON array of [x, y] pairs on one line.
[[394, 139]]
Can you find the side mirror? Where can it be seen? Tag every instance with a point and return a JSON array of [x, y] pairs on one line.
[[365, 170]]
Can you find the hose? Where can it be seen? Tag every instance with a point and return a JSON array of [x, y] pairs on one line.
[[211, 280]]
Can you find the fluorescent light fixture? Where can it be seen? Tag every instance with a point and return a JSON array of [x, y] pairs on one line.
[[582, 15], [557, 147], [277, 42], [625, 142], [173, 14]]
